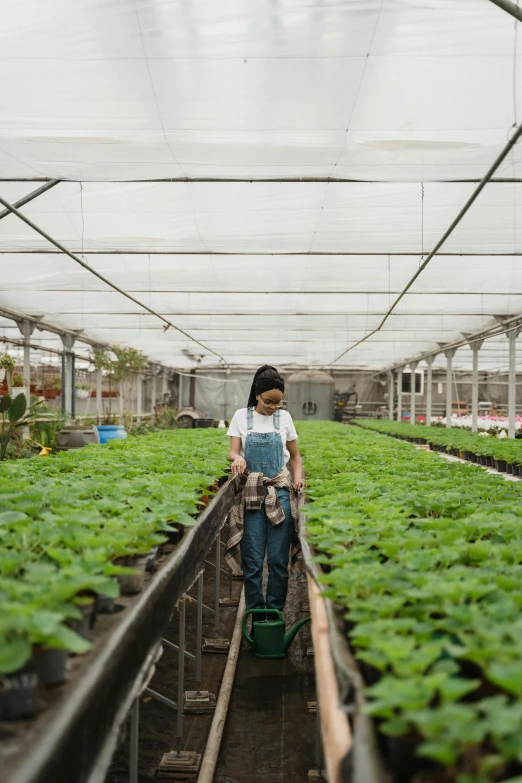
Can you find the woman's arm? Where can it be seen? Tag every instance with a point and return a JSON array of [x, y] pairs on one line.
[[296, 463], [234, 455]]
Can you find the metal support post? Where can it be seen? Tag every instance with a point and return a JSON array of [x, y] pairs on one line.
[[139, 396], [218, 580], [153, 390], [73, 384], [181, 674], [413, 414], [99, 396], [429, 388], [512, 380], [199, 631], [165, 384], [27, 328], [180, 392], [475, 347], [390, 395], [134, 736], [67, 374], [399, 394], [449, 354]]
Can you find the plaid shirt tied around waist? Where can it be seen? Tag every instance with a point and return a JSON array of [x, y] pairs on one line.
[[251, 496]]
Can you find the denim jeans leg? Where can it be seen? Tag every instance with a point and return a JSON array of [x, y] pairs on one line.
[[279, 539], [253, 546]]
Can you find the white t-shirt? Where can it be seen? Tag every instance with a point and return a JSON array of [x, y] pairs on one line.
[[238, 427]]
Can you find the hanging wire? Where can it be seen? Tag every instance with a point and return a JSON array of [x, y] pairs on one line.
[[389, 280], [422, 225], [82, 255]]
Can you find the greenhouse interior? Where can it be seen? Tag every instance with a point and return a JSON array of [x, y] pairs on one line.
[[261, 391]]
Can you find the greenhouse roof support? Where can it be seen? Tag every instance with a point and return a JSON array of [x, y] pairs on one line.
[[30, 196], [101, 277], [510, 8], [471, 200]]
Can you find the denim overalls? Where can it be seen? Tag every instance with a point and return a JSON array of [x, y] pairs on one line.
[[264, 454]]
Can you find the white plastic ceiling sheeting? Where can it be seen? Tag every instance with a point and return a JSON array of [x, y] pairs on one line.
[[404, 96]]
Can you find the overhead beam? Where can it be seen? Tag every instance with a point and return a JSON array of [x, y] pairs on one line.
[[509, 7], [278, 180], [511, 142], [365, 253], [31, 196], [101, 277]]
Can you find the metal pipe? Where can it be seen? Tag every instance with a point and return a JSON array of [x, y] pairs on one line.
[[199, 631], [512, 382], [450, 353], [192, 389], [399, 394], [181, 673], [223, 570], [30, 196], [26, 327], [153, 394], [474, 387], [429, 389], [208, 764], [176, 647], [101, 277], [413, 415], [478, 190], [390, 395], [161, 698], [218, 581], [99, 396], [139, 396], [73, 384], [509, 7], [180, 392], [133, 741]]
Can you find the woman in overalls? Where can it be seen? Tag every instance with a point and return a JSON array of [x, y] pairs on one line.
[[262, 441]]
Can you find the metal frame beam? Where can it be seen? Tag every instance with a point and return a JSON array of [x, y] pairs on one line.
[[509, 7], [30, 196], [478, 190], [167, 323]]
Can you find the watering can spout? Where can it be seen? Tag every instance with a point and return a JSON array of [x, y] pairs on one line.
[[289, 637]]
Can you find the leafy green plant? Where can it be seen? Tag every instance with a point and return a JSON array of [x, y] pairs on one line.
[[424, 556], [65, 523]]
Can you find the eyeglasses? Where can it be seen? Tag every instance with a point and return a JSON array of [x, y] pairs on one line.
[[270, 404]]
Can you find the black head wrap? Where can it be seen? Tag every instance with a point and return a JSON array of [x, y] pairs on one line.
[[265, 379]]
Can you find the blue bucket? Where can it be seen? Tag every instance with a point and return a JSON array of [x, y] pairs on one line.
[[109, 432]]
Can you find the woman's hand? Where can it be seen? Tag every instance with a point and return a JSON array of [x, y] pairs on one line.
[[299, 485], [238, 466]]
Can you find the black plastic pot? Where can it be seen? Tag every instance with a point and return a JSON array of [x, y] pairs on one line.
[[51, 666], [105, 605], [489, 461], [151, 560], [501, 465], [130, 584], [19, 694], [517, 470], [509, 467], [84, 625]]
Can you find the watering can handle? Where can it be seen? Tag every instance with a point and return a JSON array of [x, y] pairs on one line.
[[257, 611]]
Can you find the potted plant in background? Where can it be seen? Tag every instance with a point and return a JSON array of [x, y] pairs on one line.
[[7, 365], [119, 365]]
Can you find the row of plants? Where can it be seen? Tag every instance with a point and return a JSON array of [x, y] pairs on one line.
[[424, 556], [502, 453], [73, 529]]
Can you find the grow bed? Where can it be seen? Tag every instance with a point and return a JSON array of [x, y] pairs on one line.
[[423, 557], [76, 722], [503, 454]]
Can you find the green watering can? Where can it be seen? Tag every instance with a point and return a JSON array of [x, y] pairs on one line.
[[270, 639]]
